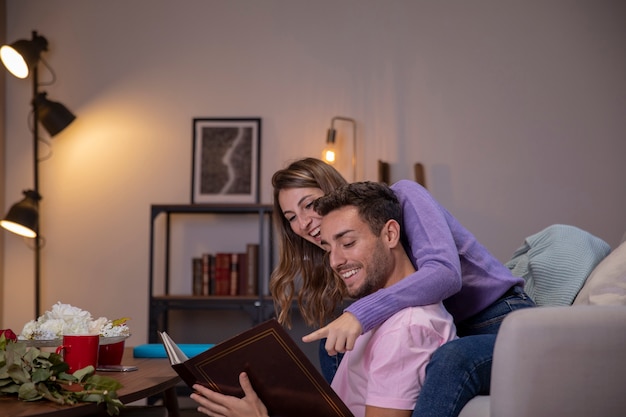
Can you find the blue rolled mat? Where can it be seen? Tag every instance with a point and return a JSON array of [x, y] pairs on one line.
[[156, 350]]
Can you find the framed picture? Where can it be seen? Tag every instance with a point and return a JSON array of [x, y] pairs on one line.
[[225, 166]]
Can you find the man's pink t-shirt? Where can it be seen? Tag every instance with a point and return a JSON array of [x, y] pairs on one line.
[[386, 368]]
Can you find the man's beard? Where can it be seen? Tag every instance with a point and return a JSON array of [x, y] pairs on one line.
[[378, 271]]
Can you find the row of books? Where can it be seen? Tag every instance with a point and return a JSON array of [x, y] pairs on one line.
[[227, 273]]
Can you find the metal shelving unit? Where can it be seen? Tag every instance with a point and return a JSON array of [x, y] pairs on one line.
[[161, 302]]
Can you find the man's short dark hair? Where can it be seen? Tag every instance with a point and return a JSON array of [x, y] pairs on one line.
[[375, 202]]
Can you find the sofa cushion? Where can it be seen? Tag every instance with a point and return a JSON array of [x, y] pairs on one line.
[[556, 262], [607, 282]]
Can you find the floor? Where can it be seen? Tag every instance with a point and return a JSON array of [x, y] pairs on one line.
[[190, 413], [188, 408]]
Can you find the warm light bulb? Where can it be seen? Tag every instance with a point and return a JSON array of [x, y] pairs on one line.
[[14, 61], [18, 229], [329, 156]]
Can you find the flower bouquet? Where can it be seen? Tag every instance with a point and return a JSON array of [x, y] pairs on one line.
[[49, 328]]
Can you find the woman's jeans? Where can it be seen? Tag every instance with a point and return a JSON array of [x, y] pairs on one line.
[[328, 364], [460, 369]]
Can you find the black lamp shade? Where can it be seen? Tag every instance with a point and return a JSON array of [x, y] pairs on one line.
[[53, 115], [23, 216], [21, 56], [330, 136]]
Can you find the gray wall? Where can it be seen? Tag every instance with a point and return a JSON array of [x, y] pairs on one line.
[[516, 109]]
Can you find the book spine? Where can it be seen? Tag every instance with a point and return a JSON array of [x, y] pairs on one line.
[[222, 273], [242, 274], [212, 283], [205, 274], [196, 265], [234, 274], [252, 253]]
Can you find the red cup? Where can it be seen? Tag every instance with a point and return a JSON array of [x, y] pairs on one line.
[[111, 354], [79, 351]]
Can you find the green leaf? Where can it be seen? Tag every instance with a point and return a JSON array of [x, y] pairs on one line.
[[65, 377], [53, 396], [114, 406], [93, 398], [60, 368], [13, 388], [43, 362], [18, 374], [55, 358], [40, 375], [4, 372], [18, 349], [6, 381], [103, 383], [28, 392], [31, 355], [82, 373], [120, 321]]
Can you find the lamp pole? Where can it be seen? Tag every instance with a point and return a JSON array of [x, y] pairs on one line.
[[22, 59], [36, 186]]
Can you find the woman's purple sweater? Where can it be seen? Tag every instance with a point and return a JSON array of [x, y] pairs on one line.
[[451, 265]]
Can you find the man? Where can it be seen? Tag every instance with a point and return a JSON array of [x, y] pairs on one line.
[[381, 376]]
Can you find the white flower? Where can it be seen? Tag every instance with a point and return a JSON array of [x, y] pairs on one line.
[[68, 313], [28, 332], [97, 325], [113, 331], [67, 319], [51, 327]]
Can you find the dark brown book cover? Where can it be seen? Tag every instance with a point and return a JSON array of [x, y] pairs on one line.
[[281, 374], [234, 274], [207, 259], [197, 274], [222, 273], [242, 274], [252, 253]]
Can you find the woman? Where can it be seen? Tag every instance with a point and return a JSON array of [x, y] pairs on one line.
[[451, 266]]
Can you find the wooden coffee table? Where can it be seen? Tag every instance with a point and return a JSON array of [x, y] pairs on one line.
[[155, 377]]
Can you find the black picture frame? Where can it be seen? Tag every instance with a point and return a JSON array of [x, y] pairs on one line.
[[226, 160]]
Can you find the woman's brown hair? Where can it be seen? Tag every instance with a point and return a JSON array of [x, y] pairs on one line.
[[318, 291]]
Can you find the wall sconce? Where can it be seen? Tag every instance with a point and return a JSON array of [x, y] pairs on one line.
[[329, 154], [21, 58]]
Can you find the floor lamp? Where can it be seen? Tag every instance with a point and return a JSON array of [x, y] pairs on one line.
[[21, 58], [329, 154]]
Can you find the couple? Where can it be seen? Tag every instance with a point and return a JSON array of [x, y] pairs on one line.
[[451, 266]]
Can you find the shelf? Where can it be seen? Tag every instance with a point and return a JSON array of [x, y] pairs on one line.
[[208, 299], [161, 301], [210, 208]]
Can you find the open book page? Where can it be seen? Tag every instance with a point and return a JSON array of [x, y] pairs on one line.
[[174, 353]]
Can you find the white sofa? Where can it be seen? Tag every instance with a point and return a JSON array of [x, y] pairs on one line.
[[554, 361]]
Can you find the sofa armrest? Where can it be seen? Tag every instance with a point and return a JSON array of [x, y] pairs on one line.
[[560, 361]]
